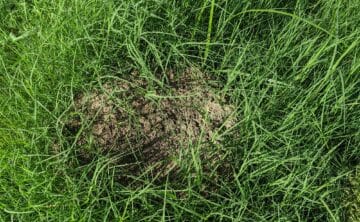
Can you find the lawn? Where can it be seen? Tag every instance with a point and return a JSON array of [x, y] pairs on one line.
[[164, 110]]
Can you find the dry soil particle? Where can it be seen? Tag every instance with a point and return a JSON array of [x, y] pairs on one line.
[[123, 117]]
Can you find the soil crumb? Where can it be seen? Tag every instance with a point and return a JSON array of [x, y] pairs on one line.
[[149, 128]]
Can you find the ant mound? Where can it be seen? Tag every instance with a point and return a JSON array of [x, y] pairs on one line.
[[149, 128]]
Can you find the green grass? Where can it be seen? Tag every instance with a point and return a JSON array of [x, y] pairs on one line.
[[292, 69]]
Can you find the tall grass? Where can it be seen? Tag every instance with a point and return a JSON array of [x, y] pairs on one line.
[[291, 68]]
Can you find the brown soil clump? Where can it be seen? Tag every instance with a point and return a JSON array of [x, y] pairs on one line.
[[352, 200], [150, 128]]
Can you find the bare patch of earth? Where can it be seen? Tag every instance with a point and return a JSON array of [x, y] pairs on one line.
[[149, 129], [352, 202]]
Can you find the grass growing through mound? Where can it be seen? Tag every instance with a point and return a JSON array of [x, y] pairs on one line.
[[290, 67]]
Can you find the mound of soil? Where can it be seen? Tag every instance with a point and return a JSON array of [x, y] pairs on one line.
[[353, 196], [149, 128]]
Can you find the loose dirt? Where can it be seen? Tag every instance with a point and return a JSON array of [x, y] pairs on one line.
[[148, 129]]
